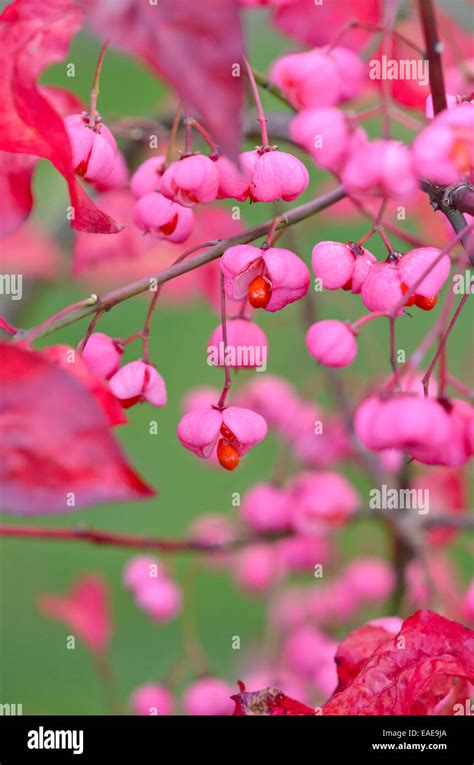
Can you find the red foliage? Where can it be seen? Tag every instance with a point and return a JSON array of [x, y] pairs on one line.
[[55, 441], [411, 673], [354, 651], [68, 359], [423, 670], [319, 23], [193, 46], [33, 36], [85, 611]]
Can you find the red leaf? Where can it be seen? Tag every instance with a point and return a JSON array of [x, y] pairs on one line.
[[192, 45], [319, 23], [32, 36], [69, 359], [55, 441], [411, 673], [268, 702], [16, 172], [85, 611], [354, 651]]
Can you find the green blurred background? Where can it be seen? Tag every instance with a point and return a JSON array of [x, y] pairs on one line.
[[36, 669]]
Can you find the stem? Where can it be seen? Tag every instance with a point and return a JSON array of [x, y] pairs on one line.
[[411, 239], [355, 24], [89, 331], [433, 54], [146, 327], [368, 317], [271, 238], [442, 344], [393, 350], [43, 328], [92, 304], [381, 232], [272, 88], [188, 144], [95, 87], [205, 134], [130, 541], [227, 378], [460, 387], [106, 678], [172, 136], [260, 113]]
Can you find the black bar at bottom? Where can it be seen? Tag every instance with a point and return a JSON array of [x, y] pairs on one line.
[[96, 739]]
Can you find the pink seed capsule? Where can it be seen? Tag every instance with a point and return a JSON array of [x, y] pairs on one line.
[[102, 355], [138, 381], [332, 343], [147, 176], [93, 149], [274, 175], [209, 696], [333, 263], [159, 216], [191, 180], [161, 599], [151, 699]]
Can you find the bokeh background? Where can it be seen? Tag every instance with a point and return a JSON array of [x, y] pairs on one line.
[[36, 669]]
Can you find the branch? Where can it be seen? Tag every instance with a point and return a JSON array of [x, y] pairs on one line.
[[112, 539], [433, 53], [95, 303]]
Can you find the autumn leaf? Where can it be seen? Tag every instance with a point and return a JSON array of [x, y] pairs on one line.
[[32, 36], [57, 449], [194, 46], [411, 673]]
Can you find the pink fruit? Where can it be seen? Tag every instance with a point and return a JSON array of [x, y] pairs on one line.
[[444, 151], [140, 570], [102, 355], [322, 499], [327, 134], [209, 696], [336, 264], [256, 568], [266, 508], [415, 262], [307, 79], [283, 275], [117, 178], [201, 430], [247, 345], [152, 699], [93, 149], [138, 381], [160, 598], [156, 215], [147, 176], [191, 180], [403, 422], [273, 175], [233, 182], [380, 168], [332, 343]]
